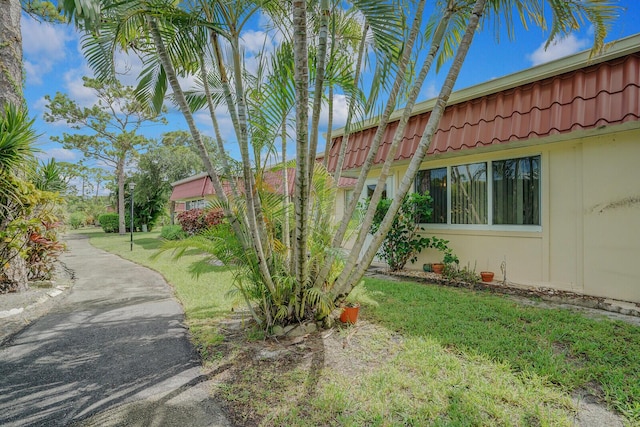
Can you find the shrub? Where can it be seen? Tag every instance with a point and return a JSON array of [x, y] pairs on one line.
[[77, 220], [43, 250], [172, 232], [403, 243], [195, 221], [109, 222]]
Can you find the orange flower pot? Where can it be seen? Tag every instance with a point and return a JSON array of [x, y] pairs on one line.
[[487, 276], [438, 267], [349, 314]]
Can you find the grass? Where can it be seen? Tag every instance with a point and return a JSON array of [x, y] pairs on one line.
[[427, 355], [566, 348]]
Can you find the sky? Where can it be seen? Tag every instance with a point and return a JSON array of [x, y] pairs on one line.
[[54, 63]]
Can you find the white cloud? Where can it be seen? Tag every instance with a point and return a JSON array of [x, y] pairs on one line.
[[428, 91], [128, 66], [84, 96], [256, 42], [60, 154], [559, 49], [44, 46], [340, 112]]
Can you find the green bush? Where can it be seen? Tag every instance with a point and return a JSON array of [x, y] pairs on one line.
[[77, 220], [403, 242], [109, 222], [172, 232]]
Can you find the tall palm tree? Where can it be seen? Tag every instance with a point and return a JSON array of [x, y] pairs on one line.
[[177, 41]]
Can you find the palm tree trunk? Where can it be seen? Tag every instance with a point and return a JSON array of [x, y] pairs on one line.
[[347, 281], [11, 54], [321, 60], [413, 95], [350, 209], [285, 187], [327, 144], [301, 78], [186, 112], [216, 128]]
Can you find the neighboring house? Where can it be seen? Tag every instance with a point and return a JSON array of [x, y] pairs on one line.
[[536, 171], [197, 191]]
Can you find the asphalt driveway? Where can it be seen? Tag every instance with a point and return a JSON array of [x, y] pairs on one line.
[[114, 351]]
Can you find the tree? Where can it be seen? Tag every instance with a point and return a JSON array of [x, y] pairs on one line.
[[11, 54], [171, 160], [109, 128], [308, 281]]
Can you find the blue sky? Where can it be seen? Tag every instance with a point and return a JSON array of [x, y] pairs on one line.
[[53, 62]]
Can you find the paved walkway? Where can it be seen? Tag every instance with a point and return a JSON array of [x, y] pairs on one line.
[[113, 352]]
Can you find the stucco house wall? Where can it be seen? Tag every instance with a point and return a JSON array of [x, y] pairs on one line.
[[589, 238], [581, 117]]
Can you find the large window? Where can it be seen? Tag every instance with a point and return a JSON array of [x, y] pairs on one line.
[[195, 204], [469, 194], [516, 189], [435, 182], [501, 192]]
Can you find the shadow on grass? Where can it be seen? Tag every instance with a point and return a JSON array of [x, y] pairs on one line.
[[148, 243]]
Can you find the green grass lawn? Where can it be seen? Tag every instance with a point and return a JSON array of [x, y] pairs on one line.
[[562, 346], [437, 356]]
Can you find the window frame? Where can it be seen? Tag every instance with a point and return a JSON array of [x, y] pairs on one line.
[[489, 194]]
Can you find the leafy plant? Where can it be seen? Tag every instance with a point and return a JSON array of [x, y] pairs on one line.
[[109, 222], [403, 242], [77, 220], [172, 232], [465, 274], [195, 221]]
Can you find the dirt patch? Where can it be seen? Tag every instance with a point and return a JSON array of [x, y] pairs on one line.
[[266, 370]]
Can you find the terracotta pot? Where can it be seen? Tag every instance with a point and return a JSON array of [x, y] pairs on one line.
[[487, 276], [349, 314], [437, 267]]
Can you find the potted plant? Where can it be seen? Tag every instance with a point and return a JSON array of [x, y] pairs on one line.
[[350, 312], [437, 267], [487, 276]]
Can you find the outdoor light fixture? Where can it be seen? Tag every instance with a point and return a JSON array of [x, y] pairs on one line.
[[132, 185]]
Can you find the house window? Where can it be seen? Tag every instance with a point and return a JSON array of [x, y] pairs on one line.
[[435, 182], [516, 191], [469, 194], [371, 188], [196, 204]]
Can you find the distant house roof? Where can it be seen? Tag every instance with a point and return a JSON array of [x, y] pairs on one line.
[[199, 186], [570, 94]]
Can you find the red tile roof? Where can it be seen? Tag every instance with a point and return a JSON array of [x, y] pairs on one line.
[[199, 186], [590, 97], [195, 187]]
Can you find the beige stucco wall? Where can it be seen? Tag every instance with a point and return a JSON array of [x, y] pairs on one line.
[[589, 239]]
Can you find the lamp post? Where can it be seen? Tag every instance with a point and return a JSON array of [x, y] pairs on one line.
[[132, 185]]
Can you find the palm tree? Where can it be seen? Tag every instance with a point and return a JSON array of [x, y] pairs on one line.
[[175, 41], [11, 54]]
